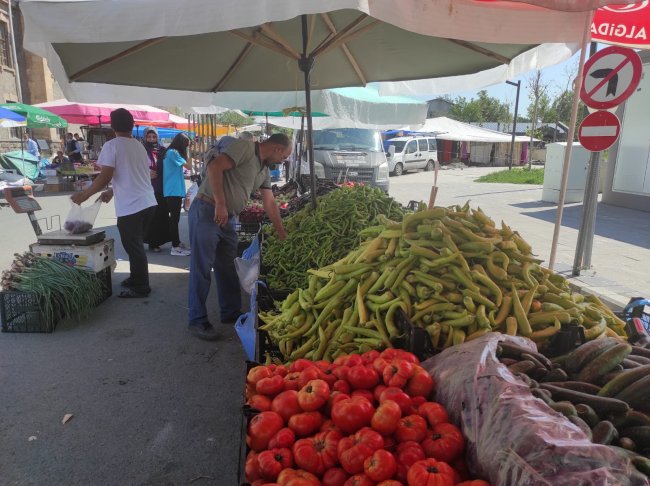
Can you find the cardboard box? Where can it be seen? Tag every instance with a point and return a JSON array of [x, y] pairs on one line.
[[59, 187], [95, 257]]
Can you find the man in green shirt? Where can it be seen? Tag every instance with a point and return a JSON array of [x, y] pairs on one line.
[[231, 177]]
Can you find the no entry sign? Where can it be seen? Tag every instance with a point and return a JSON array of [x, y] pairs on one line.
[[610, 77], [599, 131]]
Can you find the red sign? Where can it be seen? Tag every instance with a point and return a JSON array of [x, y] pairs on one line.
[[623, 25], [599, 131], [610, 77]]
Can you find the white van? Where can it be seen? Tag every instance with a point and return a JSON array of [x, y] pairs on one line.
[[408, 153]]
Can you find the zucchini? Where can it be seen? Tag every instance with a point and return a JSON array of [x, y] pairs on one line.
[[542, 394], [508, 361], [638, 359], [629, 364], [604, 362], [637, 394], [602, 405], [642, 464], [604, 433], [531, 357], [640, 351], [565, 407], [586, 413], [555, 375], [623, 380], [524, 366], [627, 443], [586, 353], [579, 386], [640, 435], [582, 425]]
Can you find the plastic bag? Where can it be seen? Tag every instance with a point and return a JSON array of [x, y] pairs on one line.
[[245, 327], [513, 437], [191, 193], [248, 266], [81, 219]]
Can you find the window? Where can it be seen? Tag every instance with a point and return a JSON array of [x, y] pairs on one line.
[[432, 145], [5, 56], [423, 145], [411, 147]]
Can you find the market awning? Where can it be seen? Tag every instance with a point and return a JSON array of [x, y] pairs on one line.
[[448, 129]]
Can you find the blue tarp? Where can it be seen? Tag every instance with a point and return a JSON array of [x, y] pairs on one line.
[[25, 163], [170, 133]]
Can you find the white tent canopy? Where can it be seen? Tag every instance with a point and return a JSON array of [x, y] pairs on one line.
[[325, 122], [448, 129]]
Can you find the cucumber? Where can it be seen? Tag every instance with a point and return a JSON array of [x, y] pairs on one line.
[[555, 375], [579, 386], [602, 405], [630, 419], [510, 350], [524, 366], [582, 425], [638, 359], [637, 395], [629, 364], [566, 408], [534, 359], [604, 433], [508, 361], [627, 443], [586, 353], [640, 351], [623, 380], [586, 413], [538, 373], [604, 362], [560, 360], [526, 379], [543, 395], [640, 435], [642, 464]]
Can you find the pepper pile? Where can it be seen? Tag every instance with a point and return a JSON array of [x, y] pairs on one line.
[[362, 420], [451, 271], [321, 236]]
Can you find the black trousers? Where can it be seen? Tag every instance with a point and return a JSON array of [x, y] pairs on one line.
[[174, 204], [132, 229]]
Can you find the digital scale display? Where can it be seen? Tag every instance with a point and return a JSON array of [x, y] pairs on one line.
[[21, 199]]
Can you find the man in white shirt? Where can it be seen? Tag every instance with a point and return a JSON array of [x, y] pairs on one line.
[[32, 146], [124, 161]]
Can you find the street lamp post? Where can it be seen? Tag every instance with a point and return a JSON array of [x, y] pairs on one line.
[[514, 122]]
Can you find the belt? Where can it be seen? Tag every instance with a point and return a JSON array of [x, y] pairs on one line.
[[205, 198]]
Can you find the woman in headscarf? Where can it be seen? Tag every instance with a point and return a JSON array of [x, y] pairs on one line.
[[158, 231], [176, 158]]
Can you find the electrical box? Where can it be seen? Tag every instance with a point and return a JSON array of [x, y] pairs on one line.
[[577, 180]]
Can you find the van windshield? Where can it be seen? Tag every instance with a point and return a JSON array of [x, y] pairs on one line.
[[398, 144], [357, 139]]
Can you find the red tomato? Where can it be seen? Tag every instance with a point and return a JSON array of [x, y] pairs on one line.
[[341, 372], [286, 404], [297, 477], [397, 373], [398, 396], [281, 370], [323, 365], [390, 444], [257, 373], [313, 395], [363, 377], [420, 384], [329, 377], [434, 413], [473, 482], [341, 386], [353, 360], [283, 438], [411, 428], [270, 386], [351, 414], [396, 353], [335, 477], [391, 482], [379, 364], [329, 425], [317, 454], [308, 374], [261, 482], [340, 360], [252, 469], [367, 394], [273, 461], [306, 423], [261, 428], [430, 472], [408, 453], [260, 402], [335, 396], [460, 466], [359, 480], [445, 442], [416, 402], [379, 389], [369, 356], [380, 466], [353, 450], [386, 418], [292, 381], [301, 364]]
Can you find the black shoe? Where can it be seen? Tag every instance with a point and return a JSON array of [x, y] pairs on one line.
[[204, 331], [131, 293], [127, 282], [229, 320]]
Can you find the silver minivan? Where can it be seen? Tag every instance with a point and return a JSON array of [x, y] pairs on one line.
[[409, 153]]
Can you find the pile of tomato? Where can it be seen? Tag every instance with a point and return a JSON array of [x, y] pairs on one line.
[[363, 420]]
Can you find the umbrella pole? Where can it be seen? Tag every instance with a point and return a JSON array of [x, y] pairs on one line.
[[306, 63], [570, 137]]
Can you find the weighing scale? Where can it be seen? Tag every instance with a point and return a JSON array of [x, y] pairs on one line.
[[22, 200]]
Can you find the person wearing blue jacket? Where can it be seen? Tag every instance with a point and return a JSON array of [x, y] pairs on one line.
[[174, 188]]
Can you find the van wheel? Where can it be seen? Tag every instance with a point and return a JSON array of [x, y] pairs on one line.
[[398, 170], [430, 165]]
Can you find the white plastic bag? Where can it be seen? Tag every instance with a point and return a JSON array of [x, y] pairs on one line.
[[80, 219], [191, 193], [248, 266]]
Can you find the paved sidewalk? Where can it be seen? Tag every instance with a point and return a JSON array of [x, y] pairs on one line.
[[621, 249]]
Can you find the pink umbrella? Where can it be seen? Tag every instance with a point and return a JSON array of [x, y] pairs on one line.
[[99, 113]]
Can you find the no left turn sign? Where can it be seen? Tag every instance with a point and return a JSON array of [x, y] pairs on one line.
[[610, 77]]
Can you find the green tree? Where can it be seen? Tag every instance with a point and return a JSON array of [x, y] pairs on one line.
[[492, 109], [234, 119], [466, 110]]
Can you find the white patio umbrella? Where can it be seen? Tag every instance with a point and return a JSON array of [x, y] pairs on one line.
[[264, 45]]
